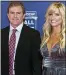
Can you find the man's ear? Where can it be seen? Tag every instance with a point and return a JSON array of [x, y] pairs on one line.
[[7, 15]]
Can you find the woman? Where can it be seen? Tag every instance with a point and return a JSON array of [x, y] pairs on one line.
[[53, 41]]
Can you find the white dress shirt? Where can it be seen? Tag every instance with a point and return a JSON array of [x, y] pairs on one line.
[[18, 32]]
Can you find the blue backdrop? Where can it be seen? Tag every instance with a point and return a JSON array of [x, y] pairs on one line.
[[35, 13]]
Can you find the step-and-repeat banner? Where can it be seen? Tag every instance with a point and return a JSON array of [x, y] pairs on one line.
[[35, 13]]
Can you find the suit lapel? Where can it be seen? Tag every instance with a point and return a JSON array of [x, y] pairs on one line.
[[7, 40], [21, 40]]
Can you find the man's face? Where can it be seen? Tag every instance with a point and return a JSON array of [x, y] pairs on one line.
[[16, 15]]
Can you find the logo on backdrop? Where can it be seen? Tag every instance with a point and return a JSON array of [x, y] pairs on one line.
[[31, 18]]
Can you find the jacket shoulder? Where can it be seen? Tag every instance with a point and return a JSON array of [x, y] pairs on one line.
[[5, 29], [31, 30]]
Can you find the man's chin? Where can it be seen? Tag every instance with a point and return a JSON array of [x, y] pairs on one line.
[[15, 25]]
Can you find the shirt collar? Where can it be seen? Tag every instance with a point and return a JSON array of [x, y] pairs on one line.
[[17, 28]]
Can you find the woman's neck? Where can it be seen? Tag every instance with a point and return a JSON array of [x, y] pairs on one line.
[[56, 30]]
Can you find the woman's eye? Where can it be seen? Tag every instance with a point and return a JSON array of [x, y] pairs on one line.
[[50, 14], [57, 14]]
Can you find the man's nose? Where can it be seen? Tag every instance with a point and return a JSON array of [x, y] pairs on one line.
[[15, 15]]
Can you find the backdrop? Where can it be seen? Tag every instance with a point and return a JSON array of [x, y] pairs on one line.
[[35, 13]]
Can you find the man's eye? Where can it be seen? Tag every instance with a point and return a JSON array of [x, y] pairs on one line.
[[18, 12], [12, 12]]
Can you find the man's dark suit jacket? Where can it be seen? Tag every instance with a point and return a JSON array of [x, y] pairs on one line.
[[28, 58]]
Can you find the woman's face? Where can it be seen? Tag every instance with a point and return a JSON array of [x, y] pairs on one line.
[[55, 18]]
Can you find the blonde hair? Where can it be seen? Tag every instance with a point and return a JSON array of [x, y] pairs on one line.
[[47, 28]]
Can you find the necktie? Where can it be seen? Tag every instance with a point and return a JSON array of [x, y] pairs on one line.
[[12, 42]]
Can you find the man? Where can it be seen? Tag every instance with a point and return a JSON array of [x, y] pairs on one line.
[[25, 42]]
